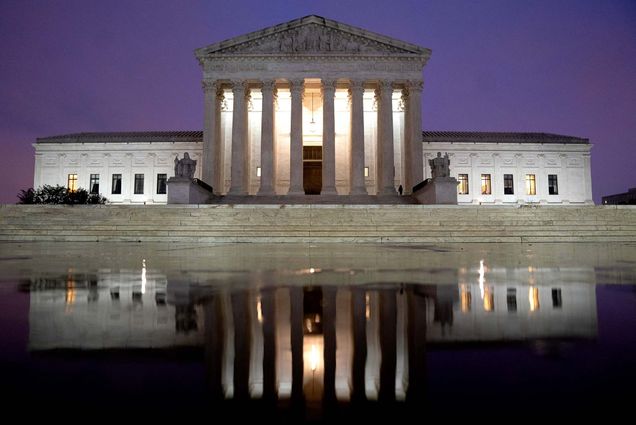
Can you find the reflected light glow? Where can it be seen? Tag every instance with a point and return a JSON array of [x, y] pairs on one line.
[[259, 310], [143, 276], [314, 358], [482, 271], [533, 298]]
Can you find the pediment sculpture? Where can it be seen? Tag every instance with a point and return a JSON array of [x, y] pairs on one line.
[[312, 38]]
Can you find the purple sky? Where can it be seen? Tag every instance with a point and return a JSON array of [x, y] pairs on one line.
[[554, 66]]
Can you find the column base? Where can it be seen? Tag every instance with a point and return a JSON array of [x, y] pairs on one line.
[[237, 192], [296, 191], [358, 191], [266, 192], [328, 191], [387, 191]]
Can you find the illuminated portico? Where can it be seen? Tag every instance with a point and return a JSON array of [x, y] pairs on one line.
[[351, 95]]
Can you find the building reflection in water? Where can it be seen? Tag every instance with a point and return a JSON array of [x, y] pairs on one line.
[[309, 343]]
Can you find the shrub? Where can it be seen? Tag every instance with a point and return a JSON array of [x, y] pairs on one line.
[[59, 195]]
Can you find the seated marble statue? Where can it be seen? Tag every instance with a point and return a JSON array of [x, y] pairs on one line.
[[184, 167], [440, 166]]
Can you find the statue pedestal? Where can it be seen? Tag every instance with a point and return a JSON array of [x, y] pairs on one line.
[[182, 190], [440, 190]]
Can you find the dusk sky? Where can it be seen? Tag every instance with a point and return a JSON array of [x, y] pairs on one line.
[[554, 66]]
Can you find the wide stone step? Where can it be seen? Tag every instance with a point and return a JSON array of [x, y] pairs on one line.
[[318, 223]]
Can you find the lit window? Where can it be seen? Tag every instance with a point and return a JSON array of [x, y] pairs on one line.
[[72, 182], [94, 183], [258, 171], [466, 298], [366, 171], [557, 302], [553, 185], [161, 184], [531, 184], [463, 184], [533, 298], [485, 184], [116, 187], [509, 188], [489, 298], [139, 184]]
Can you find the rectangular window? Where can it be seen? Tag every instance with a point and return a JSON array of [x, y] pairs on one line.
[[161, 184], [553, 185], [485, 184], [463, 184], [72, 182], [139, 184], [94, 183], [531, 184], [116, 187], [556, 298], [511, 300], [509, 188]]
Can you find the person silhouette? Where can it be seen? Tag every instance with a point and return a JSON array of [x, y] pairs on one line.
[[400, 190]]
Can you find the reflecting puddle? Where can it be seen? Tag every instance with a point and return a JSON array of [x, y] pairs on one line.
[[320, 341]]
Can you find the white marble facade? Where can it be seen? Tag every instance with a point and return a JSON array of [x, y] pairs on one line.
[[353, 95], [517, 156]]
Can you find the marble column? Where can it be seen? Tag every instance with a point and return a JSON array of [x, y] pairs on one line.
[[414, 115], [296, 140], [268, 173], [328, 139], [211, 140], [385, 168], [406, 179], [240, 153], [356, 92]]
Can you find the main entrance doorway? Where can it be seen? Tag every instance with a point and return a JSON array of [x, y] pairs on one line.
[[312, 169]]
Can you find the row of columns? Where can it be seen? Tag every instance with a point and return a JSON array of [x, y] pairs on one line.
[[212, 143], [218, 334]]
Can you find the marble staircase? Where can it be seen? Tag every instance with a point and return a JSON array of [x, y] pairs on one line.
[[318, 223]]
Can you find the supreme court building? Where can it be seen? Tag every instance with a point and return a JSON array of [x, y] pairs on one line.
[[315, 106]]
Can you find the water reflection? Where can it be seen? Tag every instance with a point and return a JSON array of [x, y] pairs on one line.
[[310, 343]]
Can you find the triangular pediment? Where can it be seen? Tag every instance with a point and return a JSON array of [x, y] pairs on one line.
[[311, 35]]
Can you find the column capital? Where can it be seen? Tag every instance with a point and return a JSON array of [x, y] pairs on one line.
[[240, 86], [385, 85], [296, 85], [212, 86], [415, 85], [356, 86], [268, 85], [328, 85]]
